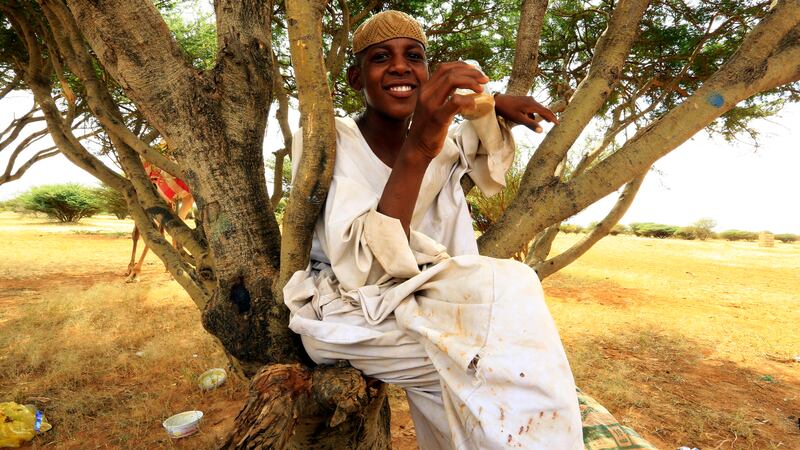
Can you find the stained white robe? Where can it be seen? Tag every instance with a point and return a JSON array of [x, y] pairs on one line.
[[469, 337]]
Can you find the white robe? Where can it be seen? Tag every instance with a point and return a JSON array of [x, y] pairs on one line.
[[469, 337]]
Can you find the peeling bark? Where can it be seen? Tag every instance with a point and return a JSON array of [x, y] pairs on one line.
[[291, 407]]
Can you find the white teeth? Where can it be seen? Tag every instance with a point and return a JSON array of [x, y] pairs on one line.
[[400, 88]]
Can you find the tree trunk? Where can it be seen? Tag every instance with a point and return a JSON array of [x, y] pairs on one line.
[[291, 407]]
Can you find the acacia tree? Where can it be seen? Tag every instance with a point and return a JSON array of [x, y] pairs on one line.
[[658, 72]]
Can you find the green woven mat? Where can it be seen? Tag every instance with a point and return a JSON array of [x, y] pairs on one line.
[[601, 431]]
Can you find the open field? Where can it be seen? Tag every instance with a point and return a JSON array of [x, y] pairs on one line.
[[691, 343]]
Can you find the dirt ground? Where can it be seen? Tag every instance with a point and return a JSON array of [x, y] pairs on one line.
[[690, 343]]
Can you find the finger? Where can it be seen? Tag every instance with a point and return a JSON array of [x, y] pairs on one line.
[[458, 69], [537, 126], [445, 87], [456, 104], [546, 114], [531, 121], [461, 66]]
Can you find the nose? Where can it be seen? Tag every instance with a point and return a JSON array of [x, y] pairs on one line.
[[399, 65]]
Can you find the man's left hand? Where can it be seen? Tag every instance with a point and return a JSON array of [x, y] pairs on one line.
[[523, 110]]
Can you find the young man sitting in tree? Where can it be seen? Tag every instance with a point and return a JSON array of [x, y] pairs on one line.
[[396, 286]]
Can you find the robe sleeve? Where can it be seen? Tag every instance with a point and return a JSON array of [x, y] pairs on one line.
[[489, 148], [363, 246]]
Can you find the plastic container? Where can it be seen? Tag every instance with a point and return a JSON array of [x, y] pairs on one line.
[[212, 378], [484, 102], [183, 424]]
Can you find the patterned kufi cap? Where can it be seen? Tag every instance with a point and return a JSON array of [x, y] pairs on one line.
[[387, 25]]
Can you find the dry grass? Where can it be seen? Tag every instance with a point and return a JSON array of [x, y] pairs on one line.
[[70, 333], [691, 343], [680, 339]]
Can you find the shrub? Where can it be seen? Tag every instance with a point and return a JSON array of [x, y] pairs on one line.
[[650, 229], [786, 238], [738, 235], [570, 228], [112, 201], [11, 205], [619, 229], [65, 202], [703, 228], [688, 233]]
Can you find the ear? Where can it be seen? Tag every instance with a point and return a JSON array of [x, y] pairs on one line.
[[354, 78]]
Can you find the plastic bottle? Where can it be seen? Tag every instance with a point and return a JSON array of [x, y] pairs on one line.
[[484, 102]]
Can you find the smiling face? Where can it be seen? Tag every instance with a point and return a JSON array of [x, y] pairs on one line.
[[389, 74]]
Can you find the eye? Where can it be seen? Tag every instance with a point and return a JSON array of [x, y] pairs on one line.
[[379, 56], [416, 56]]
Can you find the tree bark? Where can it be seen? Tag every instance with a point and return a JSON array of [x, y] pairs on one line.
[[291, 407]]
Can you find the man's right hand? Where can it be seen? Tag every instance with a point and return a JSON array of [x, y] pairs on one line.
[[437, 104]]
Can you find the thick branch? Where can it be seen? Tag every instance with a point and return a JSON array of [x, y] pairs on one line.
[[67, 38], [315, 171], [244, 72], [553, 265], [609, 57], [134, 45], [526, 54]]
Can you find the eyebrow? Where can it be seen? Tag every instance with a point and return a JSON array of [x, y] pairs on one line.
[[410, 46]]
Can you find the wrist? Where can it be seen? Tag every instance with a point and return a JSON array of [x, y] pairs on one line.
[[500, 103], [415, 153]]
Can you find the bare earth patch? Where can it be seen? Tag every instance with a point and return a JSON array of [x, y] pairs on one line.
[[691, 343]]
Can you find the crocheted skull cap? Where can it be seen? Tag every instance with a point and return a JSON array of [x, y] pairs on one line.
[[387, 25]]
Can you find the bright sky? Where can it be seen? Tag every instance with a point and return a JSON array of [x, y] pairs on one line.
[[735, 184]]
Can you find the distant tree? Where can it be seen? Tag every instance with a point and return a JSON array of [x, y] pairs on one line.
[[738, 235], [786, 238], [112, 201], [704, 228], [570, 228], [650, 229], [688, 233], [619, 229], [66, 202]]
